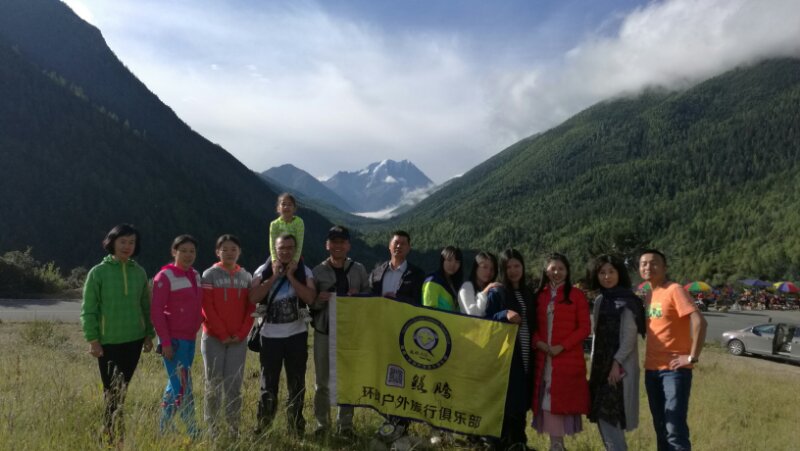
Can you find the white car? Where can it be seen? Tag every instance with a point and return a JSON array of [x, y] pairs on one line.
[[778, 340]]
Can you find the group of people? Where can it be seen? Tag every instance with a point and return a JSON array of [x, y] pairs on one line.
[[270, 311]]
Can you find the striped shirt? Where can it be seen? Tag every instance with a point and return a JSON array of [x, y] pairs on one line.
[[524, 334]]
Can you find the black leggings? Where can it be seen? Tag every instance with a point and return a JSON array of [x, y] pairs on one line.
[[117, 366]]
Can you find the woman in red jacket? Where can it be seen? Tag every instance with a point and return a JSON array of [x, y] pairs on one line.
[[561, 392]]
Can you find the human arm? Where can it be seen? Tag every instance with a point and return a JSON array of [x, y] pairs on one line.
[[247, 320], [213, 321], [149, 331], [363, 285], [494, 307], [466, 299], [627, 343], [161, 291], [90, 309], [685, 305], [274, 233], [298, 230], [699, 325], [627, 336], [258, 287], [430, 295], [305, 291]]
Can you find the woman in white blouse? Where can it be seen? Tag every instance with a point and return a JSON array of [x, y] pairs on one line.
[[475, 291]]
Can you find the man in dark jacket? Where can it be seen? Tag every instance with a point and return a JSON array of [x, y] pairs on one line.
[[397, 278]]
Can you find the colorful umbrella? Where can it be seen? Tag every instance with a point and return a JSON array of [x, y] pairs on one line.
[[755, 283], [694, 287], [787, 287], [644, 286]]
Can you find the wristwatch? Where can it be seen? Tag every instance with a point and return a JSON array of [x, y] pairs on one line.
[[693, 359]]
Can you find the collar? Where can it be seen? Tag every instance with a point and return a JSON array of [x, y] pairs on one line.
[[402, 268]]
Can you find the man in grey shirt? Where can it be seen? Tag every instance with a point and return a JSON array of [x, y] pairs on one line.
[[340, 275]]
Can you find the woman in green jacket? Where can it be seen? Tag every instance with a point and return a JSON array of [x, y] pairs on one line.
[[115, 315]]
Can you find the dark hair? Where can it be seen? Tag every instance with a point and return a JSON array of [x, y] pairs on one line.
[[181, 239], [228, 237], [654, 251], [597, 263], [555, 256], [118, 231], [505, 256], [402, 233], [286, 236], [283, 196], [480, 258], [458, 277]]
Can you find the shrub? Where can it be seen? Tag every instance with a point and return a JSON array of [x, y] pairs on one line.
[[42, 333]]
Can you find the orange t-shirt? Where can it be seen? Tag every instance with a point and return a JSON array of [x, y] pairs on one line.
[[669, 329]]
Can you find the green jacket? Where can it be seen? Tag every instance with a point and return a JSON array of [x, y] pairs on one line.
[[116, 303]]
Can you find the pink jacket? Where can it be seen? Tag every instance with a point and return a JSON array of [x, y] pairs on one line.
[[177, 303]]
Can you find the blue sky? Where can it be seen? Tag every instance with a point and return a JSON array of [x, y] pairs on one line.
[[335, 85]]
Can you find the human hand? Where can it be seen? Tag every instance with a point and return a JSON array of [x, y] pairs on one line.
[[555, 350], [542, 346], [513, 317], [324, 296], [678, 362], [290, 268], [95, 349], [167, 352], [492, 285], [147, 346], [616, 373]]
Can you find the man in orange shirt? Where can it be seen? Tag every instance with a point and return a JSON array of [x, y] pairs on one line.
[[676, 331]]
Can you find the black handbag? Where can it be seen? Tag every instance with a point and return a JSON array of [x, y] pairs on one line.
[[254, 336]]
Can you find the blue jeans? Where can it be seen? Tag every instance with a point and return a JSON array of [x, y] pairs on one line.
[[668, 396]]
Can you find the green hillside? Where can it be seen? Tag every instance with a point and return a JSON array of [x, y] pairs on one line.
[[85, 145], [710, 175]]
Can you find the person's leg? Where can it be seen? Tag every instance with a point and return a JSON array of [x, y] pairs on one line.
[[322, 403], [117, 366], [271, 359], [185, 356], [213, 352], [613, 436], [677, 387], [235, 357], [344, 420], [655, 398], [296, 358], [171, 398]]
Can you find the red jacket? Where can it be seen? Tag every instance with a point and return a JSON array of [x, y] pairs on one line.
[[226, 309], [569, 389]]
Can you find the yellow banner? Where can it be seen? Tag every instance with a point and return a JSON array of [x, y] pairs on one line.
[[445, 369]]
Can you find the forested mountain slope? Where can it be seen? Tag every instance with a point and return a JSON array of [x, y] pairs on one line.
[[710, 174]]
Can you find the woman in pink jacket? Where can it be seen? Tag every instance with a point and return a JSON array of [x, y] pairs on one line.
[[560, 391], [176, 316]]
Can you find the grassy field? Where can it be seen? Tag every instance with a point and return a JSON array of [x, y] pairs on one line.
[[51, 398]]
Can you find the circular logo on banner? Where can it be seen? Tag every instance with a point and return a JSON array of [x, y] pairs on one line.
[[425, 342]]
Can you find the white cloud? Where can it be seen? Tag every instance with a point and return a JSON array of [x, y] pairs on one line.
[[279, 83], [672, 44]]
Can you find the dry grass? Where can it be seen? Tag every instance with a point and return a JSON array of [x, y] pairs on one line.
[[50, 398]]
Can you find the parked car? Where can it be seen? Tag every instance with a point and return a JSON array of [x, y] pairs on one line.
[[778, 340]]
